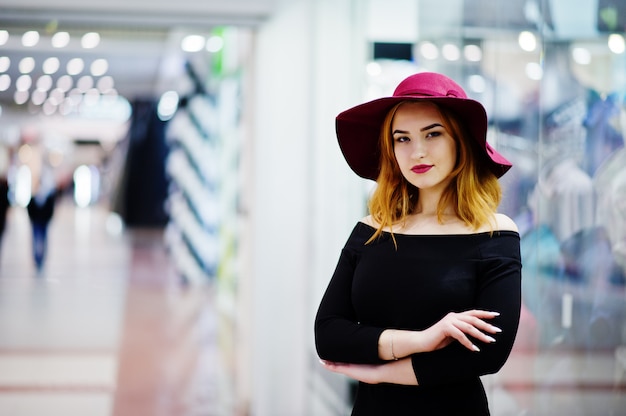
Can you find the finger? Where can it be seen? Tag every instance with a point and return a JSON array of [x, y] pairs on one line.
[[463, 329], [479, 335], [459, 334], [329, 365], [475, 328], [479, 313], [480, 324]]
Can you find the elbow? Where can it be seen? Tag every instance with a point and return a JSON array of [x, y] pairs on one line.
[[326, 352], [323, 352], [322, 346], [330, 344], [492, 367], [495, 362]]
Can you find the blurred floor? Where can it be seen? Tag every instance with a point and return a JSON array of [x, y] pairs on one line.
[[105, 328]]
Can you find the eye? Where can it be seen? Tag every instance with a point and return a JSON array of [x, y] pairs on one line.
[[433, 134], [402, 139]]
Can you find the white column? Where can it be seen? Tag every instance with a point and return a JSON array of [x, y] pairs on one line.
[[304, 200]]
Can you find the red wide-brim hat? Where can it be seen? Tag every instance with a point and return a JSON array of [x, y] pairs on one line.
[[358, 128]]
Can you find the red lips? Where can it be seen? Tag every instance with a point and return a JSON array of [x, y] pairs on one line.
[[421, 168]]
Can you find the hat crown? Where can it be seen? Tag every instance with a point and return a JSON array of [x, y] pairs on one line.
[[429, 84]]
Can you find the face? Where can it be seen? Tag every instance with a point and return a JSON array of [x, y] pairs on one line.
[[424, 149]]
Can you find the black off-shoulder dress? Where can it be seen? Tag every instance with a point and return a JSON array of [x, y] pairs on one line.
[[376, 286]]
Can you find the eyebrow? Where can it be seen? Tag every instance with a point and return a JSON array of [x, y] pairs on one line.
[[400, 132], [431, 126]]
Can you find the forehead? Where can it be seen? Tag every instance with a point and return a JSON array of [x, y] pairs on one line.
[[416, 111]]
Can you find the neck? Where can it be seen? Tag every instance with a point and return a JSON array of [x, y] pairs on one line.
[[428, 203]]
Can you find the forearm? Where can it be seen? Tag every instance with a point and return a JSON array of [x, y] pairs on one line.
[[464, 327], [394, 344], [393, 372], [398, 372]]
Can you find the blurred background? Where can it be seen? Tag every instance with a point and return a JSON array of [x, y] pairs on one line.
[[200, 201]]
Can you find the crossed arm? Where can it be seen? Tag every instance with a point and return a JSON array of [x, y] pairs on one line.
[[396, 347], [445, 352]]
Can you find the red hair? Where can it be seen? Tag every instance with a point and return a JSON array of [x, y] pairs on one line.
[[474, 191]]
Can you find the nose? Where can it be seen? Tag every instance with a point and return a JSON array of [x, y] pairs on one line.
[[419, 149]]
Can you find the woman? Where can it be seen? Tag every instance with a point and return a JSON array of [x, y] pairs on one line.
[[426, 296]]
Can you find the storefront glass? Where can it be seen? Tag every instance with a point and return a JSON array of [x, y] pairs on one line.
[[552, 75]]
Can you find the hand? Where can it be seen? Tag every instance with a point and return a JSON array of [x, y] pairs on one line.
[[367, 373], [457, 326]]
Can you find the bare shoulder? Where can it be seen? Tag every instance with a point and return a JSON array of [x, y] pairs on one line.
[[504, 223], [369, 221]]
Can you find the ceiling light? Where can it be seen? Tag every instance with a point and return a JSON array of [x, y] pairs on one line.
[[51, 65], [30, 38], [44, 83], [473, 53], [105, 84], [65, 82], [214, 44], [5, 82], [75, 66], [38, 97], [27, 65], [49, 107], [20, 97], [99, 67], [581, 55], [23, 83], [5, 63], [168, 104], [617, 44], [450, 52], [527, 41], [90, 40], [75, 96], [84, 83], [477, 83], [429, 50], [534, 71], [373, 69], [60, 39], [57, 96], [4, 37], [192, 43]]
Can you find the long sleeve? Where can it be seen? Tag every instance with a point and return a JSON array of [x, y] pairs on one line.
[[499, 289], [339, 336]]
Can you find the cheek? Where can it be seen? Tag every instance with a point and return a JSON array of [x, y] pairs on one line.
[[397, 154], [449, 152], [401, 160]]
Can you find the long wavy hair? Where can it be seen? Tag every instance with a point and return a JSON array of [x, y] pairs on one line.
[[474, 191]]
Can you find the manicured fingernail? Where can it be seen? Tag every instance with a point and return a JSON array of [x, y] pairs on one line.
[[495, 328], [475, 348], [490, 339], [495, 313]]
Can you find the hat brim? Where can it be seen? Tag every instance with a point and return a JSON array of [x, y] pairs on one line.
[[358, 131]]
